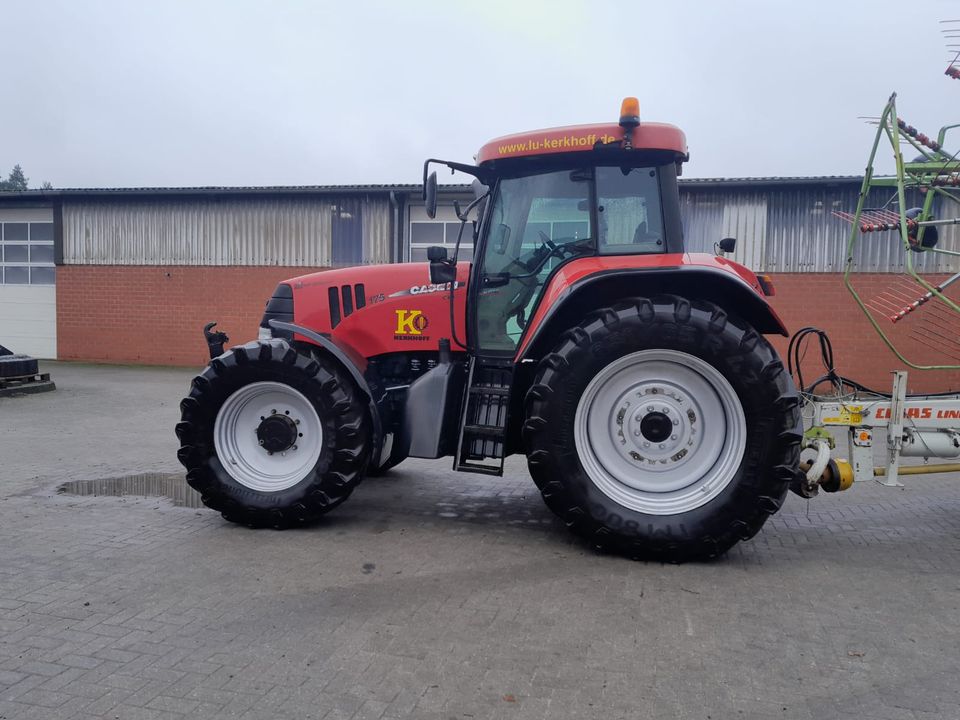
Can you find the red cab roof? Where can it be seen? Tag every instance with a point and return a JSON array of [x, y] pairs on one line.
[[575, 138]]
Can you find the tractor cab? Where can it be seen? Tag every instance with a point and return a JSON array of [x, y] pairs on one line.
[[556, 195]]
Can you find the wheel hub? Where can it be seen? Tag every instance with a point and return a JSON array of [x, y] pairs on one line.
[[277, 432], [656, 426]]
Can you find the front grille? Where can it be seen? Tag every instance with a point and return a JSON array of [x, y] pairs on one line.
[[279, 307]]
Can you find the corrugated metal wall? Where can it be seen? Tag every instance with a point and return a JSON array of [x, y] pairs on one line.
[[778, 229], [247, 231], [793, 229]]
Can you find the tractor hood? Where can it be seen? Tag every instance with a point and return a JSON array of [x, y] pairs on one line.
[[378, 309]]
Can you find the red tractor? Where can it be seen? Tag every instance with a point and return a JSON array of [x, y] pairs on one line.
[[657, 420]]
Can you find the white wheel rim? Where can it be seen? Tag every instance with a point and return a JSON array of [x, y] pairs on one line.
[[664, 391], [238, 447]]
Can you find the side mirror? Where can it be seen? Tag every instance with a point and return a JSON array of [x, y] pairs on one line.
[[727, 245], [430, 195], [441, 269]]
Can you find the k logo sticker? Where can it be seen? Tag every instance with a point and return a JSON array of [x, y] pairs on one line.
[[410, 324]]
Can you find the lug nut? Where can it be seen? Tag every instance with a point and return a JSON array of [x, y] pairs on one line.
[[637, 433], [638, 418], [261, 442], [650, 408], [297, 422], [665, 411], [662, 446], [646, 444], [676, 422], [294, 447], [273, 412]]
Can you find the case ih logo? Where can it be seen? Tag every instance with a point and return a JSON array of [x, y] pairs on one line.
[[410, 325], [426, 289]]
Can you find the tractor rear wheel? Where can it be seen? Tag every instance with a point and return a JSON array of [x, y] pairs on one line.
[[272, 437], [663, 428]]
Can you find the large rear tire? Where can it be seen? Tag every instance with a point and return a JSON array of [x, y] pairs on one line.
[[271, 437], [663, 428]]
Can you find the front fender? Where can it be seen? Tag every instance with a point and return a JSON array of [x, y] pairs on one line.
[[354, 364], [565, 306]]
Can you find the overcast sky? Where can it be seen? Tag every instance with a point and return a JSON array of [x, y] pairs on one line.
[[191, 92]]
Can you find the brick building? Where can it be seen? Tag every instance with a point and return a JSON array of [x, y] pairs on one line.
[[131, 275]]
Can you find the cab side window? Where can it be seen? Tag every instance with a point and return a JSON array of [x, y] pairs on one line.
[[629, 211]]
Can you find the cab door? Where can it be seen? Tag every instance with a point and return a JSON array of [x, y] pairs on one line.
[[535, 222]]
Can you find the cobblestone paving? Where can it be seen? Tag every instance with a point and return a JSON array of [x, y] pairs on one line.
[[432, 594]]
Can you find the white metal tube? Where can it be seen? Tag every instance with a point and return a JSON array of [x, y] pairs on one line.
[[820, 464]]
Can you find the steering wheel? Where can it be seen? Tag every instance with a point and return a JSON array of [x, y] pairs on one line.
[[547, 241], [529, 285]]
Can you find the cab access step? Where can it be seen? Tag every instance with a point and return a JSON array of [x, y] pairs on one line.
[[483, 422]]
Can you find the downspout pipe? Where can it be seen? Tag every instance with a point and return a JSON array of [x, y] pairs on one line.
[[397, 234]]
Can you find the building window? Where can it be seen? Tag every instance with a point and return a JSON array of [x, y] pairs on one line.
[[425, 234], [26, 254]]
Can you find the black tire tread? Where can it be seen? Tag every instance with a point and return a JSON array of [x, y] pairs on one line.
[[321, 491]]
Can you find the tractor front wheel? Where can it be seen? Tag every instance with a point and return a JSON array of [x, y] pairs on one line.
[[663, 428], [272, 437]]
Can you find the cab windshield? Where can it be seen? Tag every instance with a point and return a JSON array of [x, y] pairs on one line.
[[538, 221]]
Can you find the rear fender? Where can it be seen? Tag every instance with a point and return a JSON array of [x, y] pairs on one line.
[[603, 288], [354, 364]]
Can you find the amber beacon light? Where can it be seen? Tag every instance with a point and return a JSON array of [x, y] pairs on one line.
[[629, 112]]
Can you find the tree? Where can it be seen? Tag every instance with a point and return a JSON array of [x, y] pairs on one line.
[[16, 181]]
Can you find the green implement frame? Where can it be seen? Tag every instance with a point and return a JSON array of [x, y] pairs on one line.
[[937, 174]]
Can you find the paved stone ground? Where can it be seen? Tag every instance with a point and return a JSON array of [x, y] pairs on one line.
[[431, 594]]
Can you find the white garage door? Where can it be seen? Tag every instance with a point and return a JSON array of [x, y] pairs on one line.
[[28, 295]]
